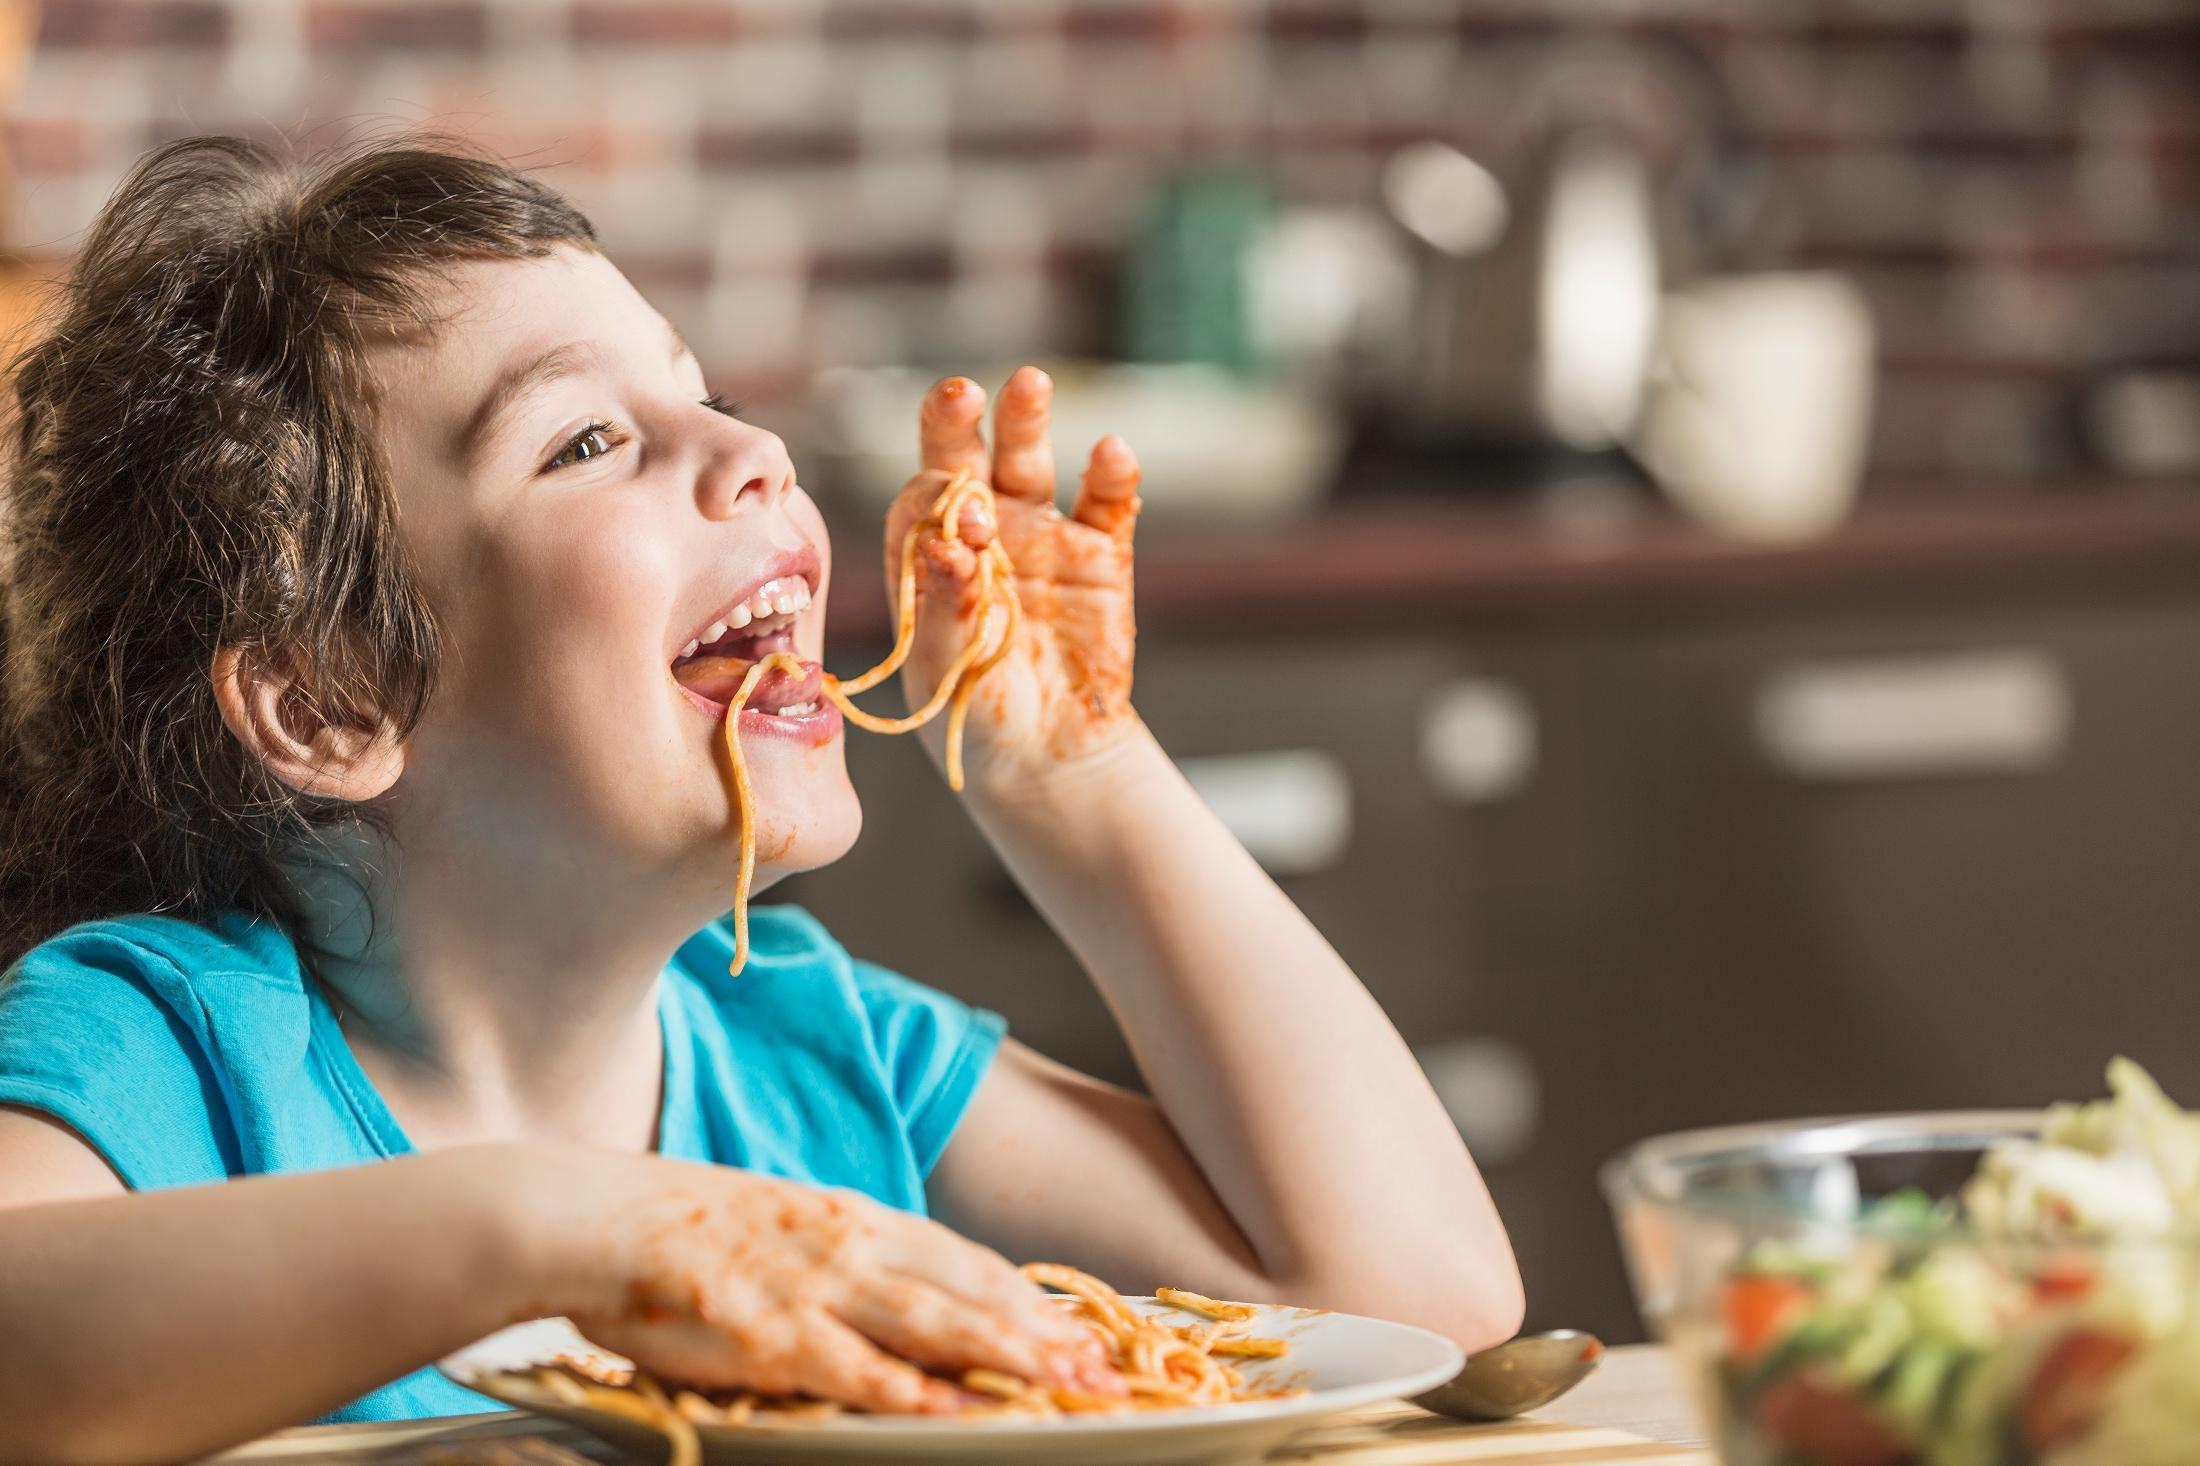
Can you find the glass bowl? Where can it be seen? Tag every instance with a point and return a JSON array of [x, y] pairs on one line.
[[1829, 1307]]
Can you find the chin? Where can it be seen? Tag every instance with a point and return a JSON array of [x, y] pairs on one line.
[[807, 821], [821, 839]]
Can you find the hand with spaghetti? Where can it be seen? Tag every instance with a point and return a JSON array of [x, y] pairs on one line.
[[1058, 691], [724, 1279]]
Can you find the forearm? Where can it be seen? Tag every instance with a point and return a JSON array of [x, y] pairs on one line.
[[169, 1324], [1295, 1096]]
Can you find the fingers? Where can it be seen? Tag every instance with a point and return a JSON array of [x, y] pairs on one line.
[[974, 524], [949, 435], [980, 1277], [1107, 500], [947, 574], [914, 505], [837, 1363], [1023, 456], [927, 1326]]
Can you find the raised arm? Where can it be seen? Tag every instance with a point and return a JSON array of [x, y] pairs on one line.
[[1293, 1148]]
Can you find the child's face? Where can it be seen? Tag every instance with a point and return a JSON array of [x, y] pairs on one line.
[[578, 515]]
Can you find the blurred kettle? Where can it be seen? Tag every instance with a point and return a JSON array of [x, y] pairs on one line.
[[1540, 303]]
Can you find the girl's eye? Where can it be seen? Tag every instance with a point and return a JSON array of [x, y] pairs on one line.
[[593, 441], [717, 403]]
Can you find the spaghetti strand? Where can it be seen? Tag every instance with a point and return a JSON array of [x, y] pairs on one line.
[[980, 655], [744, 800]]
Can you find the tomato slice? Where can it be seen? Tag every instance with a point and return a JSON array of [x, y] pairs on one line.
[[2070, 1383], [1758, 1309], [2063, 1279], [1828, 1426]]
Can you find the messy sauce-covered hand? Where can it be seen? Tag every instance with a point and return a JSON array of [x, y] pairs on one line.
[[1063, 692], [725, 1279]]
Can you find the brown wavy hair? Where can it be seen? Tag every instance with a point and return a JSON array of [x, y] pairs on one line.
[[194, 467]]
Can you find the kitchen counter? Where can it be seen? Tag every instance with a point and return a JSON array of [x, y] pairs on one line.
[[1387, 560]]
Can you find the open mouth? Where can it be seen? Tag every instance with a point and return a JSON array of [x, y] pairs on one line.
[[713, 663]]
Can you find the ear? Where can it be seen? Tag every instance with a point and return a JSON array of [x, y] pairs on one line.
[[304, 749]]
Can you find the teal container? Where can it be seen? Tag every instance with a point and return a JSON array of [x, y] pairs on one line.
[[1185, 281]]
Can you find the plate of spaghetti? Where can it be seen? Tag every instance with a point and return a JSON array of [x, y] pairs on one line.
[[1209, 1380]]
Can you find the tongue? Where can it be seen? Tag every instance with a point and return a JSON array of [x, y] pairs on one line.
[[719, 678]]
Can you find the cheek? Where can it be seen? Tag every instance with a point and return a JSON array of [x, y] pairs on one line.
[[578, 604], [554, 670]]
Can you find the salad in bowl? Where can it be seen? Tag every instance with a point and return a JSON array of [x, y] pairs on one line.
[[1942, 1290]]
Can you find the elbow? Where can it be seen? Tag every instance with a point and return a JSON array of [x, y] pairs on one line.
[[1489, 1310], [1477, 1304], [1476, 1301]]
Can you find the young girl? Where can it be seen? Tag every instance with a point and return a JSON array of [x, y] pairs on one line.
[[379, 569]]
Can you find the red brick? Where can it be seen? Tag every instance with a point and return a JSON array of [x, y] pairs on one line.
[[2050, 256], [663, 271], [727, 147], [994, 142], [49, 144], [905, 265], [1487, 27], [1954, 143], [639, 22], [892, 19], [1352, 134], [2171, 32], [440, 25], [1958, 365], [1088, 263], [1105, 22], [1885, 28], [1316, 20], [133, 23]]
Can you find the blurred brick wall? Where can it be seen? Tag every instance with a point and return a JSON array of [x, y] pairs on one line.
[[2015, 182]]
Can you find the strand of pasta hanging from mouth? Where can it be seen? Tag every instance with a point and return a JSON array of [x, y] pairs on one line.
[[996, 587], [744, 799]]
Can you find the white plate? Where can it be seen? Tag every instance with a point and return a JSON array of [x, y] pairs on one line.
[[1341, 1360]]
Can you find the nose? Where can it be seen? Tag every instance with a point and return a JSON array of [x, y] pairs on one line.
[[755, 463]]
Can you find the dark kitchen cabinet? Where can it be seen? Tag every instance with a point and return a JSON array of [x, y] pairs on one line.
[[1952, 925], [922, 889], [1766, 859]]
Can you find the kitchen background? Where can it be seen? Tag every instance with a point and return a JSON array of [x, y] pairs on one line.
[[1675, 524]]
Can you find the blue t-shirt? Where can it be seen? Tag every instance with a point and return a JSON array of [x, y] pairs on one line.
[[188, 1053]]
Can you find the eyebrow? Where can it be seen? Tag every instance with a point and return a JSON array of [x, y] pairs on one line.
[[513, 386], [522, 381]]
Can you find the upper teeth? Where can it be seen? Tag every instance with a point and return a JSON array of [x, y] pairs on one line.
[[781, 597], [785, 596]]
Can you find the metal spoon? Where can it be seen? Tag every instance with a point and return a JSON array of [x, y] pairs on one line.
[[1523, 1374]]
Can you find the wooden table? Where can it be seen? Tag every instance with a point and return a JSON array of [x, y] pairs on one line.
[[1632, 1412]]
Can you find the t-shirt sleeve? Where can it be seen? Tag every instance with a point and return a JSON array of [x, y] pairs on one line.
[[935, 1051], [105, 1036]]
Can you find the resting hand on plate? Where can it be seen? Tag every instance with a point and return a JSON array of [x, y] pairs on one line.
[[1062, 695], [724, 1279]]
